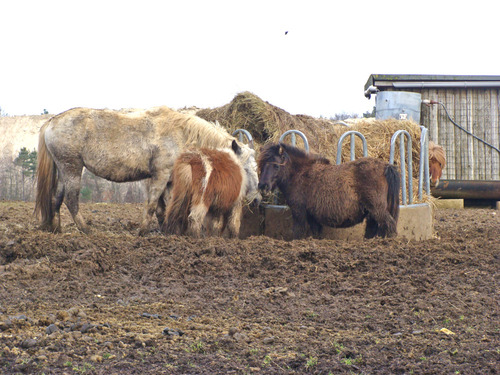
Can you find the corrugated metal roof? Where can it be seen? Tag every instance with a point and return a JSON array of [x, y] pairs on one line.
[[387, 80]]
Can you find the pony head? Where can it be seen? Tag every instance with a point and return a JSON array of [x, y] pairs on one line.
[[271, 163], [437, 162], [246, 156]]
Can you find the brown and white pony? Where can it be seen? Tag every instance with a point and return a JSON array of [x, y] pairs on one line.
[[119, 146], [437, 162], [319, 193], [208, 185]]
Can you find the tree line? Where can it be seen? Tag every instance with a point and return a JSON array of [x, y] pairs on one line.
[[18, 182]]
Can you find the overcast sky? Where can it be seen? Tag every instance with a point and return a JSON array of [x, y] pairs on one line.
[[310, 57]]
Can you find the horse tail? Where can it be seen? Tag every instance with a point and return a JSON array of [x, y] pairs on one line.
[[394, 183], [46, 182], [177, 213]]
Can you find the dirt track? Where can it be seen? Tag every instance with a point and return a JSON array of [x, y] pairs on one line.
[[115, 303]]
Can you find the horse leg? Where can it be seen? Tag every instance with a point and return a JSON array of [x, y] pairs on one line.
[[388, 228], [299, 223], [155, 188], [196, 218], [215, 224], [371, 227], [160, 210], [209, 224], [316, 228], [163, 203], [223, 220], [58, 201], [385, 223], [234, 221], [71, 176]]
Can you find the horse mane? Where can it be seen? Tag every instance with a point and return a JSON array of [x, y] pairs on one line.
[[269, 151], [437, 152], [197, 131], [297, 153]]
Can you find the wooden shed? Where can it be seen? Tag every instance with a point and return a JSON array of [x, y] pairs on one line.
[[462, 104]]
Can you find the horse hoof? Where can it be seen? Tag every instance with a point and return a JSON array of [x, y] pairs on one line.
[[50, 228]]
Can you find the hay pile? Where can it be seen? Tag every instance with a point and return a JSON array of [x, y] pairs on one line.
[[266, 123]]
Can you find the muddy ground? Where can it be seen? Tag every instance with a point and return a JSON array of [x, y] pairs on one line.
[[115, 303]]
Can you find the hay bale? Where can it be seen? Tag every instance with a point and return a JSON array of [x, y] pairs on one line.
[[378, 135], [267, 123], [264, 121]]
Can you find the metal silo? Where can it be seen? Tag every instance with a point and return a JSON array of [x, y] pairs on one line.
[[400, 105]]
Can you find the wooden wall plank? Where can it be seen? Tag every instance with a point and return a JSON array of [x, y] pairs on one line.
[[477, 125], [470, 141], [456, 113], [462, 156], [495, 133], [481, 119], [487, 134], [447, 131]]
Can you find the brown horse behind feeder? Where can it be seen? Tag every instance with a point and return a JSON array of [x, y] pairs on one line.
[[437, 162], [319, 193]]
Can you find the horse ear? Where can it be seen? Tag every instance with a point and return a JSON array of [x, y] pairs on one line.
[[236, 147], [283, 154]]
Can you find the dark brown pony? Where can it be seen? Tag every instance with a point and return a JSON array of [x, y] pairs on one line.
[[319, 193], [437, 162], [208, 185]]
